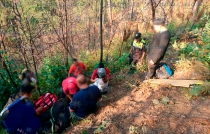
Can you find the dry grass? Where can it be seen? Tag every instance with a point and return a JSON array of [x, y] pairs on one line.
[[186, 69]]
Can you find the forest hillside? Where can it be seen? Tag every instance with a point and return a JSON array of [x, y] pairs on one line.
[[46, 35]]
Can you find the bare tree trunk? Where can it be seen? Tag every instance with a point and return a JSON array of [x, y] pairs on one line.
[[8, 73], [153, 9], [196, 8], [101, 30], [66, 31], [132, 13]]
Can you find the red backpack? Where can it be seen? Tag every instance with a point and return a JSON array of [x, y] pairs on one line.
[[46, 101]]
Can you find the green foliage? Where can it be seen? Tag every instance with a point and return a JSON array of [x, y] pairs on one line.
[[172, 27], [119, 63], [133, 130], [205, 35], [196, 90], [3, 131], [165, 100], [103, 126], [202, 53], [52, 73], [6, 85]]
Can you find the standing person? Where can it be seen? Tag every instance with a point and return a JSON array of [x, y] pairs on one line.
[[158, 47], [138, 50], [95, 73], [84, 101], [69, 87], [76, 68]]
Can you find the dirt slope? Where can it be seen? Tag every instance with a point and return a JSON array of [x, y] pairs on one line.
[[135, 107]]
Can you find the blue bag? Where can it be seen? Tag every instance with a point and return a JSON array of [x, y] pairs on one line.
[[163, 71], [168, 69]]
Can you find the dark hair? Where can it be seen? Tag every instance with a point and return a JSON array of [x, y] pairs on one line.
[[26, 74], [101, 65], [74, 59], [26, 88], [81, 80]]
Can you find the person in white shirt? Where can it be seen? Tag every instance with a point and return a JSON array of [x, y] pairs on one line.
[[102, 82]]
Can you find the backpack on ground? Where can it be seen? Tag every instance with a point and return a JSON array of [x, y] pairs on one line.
[[59, 118], [46, 101], [163, 71]]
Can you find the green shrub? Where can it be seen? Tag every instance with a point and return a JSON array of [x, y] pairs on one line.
[[205, 35], [199, 90], [52, 73], [200, 52]]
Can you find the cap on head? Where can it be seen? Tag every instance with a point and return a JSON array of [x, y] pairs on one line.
[[159, 21], [101, 72], [138, 35], [101, 65]]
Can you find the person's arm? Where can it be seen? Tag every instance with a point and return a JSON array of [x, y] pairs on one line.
[[99, 96], [108, 74], [71, 70], [69, 96], [93, 77], [73, 106], [143, 54], [105, 80], [71, 110], [39, 110]]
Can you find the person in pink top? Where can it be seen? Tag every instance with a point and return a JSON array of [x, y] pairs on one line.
[[69, 87]]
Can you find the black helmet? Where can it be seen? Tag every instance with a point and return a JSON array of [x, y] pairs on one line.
[[138, 35]]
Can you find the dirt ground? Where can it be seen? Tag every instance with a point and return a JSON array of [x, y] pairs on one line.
[[132, 106]]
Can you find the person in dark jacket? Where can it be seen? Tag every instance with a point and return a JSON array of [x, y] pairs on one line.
[[84, 101], [158, 47]]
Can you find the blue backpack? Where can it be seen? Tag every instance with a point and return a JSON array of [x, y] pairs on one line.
[[163, 71]]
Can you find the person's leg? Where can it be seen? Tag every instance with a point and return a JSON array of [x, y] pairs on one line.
[[130, 59], [151, 70]]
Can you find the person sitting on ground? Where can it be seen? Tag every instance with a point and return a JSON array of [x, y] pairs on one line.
[[95, 73], [76, 68], [27, 79], [84, 101], [158, 47], [69, 87], [24, 92], [102, 80], [138, 50]]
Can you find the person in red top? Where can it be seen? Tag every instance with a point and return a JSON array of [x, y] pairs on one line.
[[69, 87], [95, 74], [76, 68]]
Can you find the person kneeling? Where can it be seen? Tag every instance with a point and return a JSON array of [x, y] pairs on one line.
[[84, 101], [102, 81]]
